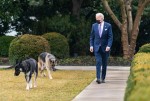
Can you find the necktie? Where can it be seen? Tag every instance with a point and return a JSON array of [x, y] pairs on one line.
[[100, 30]]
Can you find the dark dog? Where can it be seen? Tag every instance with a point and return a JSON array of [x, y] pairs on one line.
[[28, 66], [48, 61]]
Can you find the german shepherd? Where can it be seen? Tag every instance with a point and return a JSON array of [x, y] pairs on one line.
[[28, 67], [46, 61]]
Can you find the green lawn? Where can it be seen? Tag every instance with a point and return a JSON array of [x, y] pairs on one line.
[[64, 86]]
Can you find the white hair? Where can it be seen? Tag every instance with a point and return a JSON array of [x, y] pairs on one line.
[[100, 14]]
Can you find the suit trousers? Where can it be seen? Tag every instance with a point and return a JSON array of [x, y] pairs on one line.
[[101, 63]]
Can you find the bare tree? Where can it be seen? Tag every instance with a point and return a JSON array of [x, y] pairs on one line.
[[129, 27]]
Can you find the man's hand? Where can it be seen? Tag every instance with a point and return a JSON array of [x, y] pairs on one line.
[[107, 49], [91, 49]]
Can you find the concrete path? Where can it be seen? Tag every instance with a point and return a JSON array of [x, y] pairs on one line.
[[112, 90]]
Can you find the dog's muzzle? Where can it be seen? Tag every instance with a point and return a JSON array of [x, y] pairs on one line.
[[16, 73]]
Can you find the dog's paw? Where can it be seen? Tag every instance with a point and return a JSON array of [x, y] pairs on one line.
[[50, 78], [35, 86], [27, 88]]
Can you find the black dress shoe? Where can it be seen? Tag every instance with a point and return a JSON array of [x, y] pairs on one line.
[[98, 81], [103, 81]]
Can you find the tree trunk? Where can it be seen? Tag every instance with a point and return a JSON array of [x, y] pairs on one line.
[[129, 30], [124, 29], [124, 40], [129, 16], [135, 30], [76, 8]]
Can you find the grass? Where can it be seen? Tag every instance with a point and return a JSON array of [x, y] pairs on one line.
[[64, 86]]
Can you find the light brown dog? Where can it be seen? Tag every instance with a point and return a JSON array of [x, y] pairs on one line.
[[46, 61]]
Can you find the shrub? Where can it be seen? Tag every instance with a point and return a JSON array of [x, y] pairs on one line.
[[4, 45], [138, 81], [76, 31], [58, 43], [145, 48], [90, 61], [27, 46]]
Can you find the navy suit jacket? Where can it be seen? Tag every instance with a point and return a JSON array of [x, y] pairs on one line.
[[105, 40]]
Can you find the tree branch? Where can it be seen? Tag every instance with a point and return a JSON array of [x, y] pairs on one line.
[[141, 6], [135, 30], [129, 15], [123, 11], [110, 12]]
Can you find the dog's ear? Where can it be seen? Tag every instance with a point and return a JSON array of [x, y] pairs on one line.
[[20, 61], [17, 61], [27, 57]]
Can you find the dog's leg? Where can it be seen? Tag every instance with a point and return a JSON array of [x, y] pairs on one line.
[[27, 80], [44, 74], [41, 67], [48, 66], [27, 88], [49, 74], [30, 83], [48, 70], [41, 72], [35, 76]]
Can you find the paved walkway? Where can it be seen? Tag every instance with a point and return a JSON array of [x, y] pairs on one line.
[[112, 90]]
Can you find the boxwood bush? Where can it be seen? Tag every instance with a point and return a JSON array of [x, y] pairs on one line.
[[27, 46], [58, 43], [4, 45], [138, 88], [90, 61], [145, 48]]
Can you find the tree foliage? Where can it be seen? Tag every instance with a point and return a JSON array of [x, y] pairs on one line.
[[72, 18], [128, 24], [9, 12]]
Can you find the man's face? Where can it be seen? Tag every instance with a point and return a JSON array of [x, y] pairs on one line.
[[99, 19]]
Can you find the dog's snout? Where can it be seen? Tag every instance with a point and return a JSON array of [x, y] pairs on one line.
[[15, 74]]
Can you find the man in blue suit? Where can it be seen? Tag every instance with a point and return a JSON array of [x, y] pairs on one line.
[[101, 39]]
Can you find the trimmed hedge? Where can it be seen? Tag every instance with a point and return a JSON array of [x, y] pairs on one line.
[[90, 61], [138, 84], [58, 43], [4, 45], [27, 46], [145, 48]]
